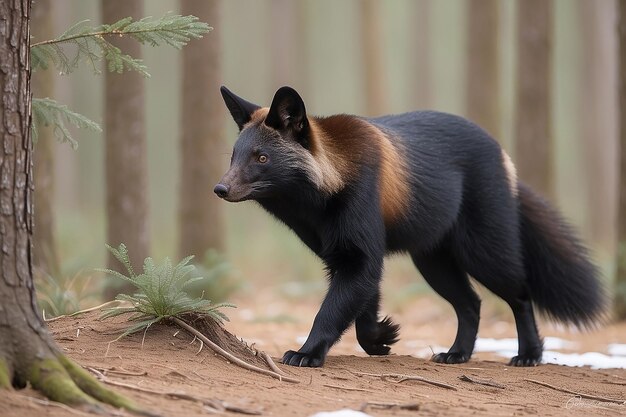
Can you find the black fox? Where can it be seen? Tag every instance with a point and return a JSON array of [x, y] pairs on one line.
[[430, 184]]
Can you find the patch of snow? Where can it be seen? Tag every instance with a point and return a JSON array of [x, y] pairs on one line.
[[346, 412], [593, 359], [510, 344], [616, 349]]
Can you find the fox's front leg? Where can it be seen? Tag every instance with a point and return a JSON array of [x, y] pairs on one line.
[[349, 286]]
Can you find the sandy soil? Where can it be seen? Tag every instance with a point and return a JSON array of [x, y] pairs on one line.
[[169, 360]]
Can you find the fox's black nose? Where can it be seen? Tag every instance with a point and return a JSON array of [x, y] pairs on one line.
[[221, 190]]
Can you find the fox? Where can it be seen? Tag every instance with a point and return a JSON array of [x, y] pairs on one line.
[[428, 184]]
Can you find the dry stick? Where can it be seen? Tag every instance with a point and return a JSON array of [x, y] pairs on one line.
[[270, 362], [347, 388], [215, 404], [122, 372], [487, 382], [229, 356], [79, 312], [401, 378], [581, 395], [387, 406]]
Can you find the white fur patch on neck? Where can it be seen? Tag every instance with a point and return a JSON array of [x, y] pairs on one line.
[[511, 172]]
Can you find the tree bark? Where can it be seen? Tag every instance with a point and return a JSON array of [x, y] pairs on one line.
[[420, 80], [201, 219], [27, 352], [620, 281], [483, 81], [45, 249], [598, 118], [126, 164], [534, 151], [373, 61]]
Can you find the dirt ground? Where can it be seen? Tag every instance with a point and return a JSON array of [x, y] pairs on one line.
[[168, 360]]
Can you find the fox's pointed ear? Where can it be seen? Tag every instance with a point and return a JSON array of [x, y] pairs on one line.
[[287, 111], [240, 109]]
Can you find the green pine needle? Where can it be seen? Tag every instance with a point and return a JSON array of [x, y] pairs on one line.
[[160, 292], [82, 42], [48, 112]]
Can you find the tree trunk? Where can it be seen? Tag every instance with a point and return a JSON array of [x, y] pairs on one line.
[[598, 118], [373, 61], [27, 352], [534, 151], [288, 37], [620, 284], [483, 81], [126, 164], [201, 220], [420, 80], [46, 257]]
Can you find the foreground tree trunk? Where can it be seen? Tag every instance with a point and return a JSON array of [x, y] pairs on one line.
[[483, 92], [45, 255], [620, 283], [27, 352], [126, 150], [201, 220], [533, 130]]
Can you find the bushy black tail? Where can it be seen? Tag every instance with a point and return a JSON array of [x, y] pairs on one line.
[[563, 282]]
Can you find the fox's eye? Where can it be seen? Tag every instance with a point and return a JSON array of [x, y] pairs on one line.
[[262, 159]]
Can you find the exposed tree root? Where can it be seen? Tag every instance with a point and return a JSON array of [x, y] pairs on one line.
[[5, 380], [208, 342], [63, 382]]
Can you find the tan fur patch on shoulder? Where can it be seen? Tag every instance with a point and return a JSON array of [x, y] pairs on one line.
[[511, 172], [393, 182], [341, 143]]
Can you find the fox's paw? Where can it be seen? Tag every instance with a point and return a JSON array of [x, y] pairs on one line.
[[294, 358], [450, 357], [525, 360], [378, 342]]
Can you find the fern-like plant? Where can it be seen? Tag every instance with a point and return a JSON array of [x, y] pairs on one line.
[[161, 292]]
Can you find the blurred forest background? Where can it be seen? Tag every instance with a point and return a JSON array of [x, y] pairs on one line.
[[540, 75]]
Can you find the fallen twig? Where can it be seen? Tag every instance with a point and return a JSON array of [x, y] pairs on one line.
[[230, 356], [481, 381], [215, 404], [78, 312], [581, 395], [121, 371], [402, 378], [270, 362], [389, 406], [347, 388]]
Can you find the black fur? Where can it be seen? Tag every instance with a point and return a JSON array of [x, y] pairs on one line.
[[462, 219]]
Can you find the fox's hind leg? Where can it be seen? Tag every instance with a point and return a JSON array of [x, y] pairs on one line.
[[443, 274], [374, 336]]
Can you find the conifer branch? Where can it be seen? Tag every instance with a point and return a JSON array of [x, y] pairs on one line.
[[48, 112], [92, 45]]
